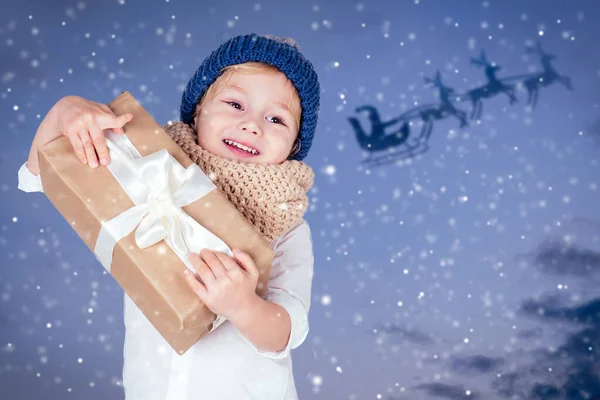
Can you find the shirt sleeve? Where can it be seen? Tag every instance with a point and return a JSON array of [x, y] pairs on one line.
[[28, 182], [290, 284]]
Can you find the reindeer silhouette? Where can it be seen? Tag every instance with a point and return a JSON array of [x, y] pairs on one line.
[[445, 108], [429, 113], [547, 77], [493, 87]]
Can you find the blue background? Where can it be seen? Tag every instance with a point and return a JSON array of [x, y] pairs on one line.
[[470, 271]]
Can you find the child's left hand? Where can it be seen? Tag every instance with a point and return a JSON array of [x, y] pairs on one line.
[[227, 285]]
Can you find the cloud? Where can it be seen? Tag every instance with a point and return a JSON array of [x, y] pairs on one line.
[[475, 364], [453, 392], [586, 313], [583, 383], [544, 392], [567, 380], [559, 257], [584, 344], [511, 385], [530, 333], [569, 371], [406, 334]]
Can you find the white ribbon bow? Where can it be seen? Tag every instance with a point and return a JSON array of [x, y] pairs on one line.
[[158, 186]]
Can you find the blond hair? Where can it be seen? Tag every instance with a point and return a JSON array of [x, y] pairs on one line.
[[292, 102]]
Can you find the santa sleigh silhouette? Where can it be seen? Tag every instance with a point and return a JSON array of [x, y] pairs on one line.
[[391, 140], [398, 144]]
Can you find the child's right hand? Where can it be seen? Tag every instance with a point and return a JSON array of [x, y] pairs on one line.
[[83, 122]]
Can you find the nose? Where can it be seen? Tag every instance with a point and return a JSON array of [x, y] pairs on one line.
[[250, 125]]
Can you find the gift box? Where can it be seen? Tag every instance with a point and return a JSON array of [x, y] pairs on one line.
[[142, 215]]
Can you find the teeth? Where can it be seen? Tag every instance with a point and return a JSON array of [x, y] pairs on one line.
[[240, 146]]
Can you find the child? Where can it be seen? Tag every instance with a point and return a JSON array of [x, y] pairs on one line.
[[248, 116]]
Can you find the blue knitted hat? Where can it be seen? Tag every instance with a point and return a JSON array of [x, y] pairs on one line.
[[269, 50]]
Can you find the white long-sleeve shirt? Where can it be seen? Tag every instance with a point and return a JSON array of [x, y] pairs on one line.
[[223, 365]]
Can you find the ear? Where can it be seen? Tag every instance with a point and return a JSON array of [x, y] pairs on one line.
[[295, 148], [196, 111]]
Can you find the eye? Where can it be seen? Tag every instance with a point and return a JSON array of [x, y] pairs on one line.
[[234, 104], [277, 120]]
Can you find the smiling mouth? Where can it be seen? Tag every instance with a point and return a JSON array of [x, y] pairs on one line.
[[239, 150]]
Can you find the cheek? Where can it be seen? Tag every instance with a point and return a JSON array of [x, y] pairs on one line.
[[210, 125], [220, 120], [203, 131], [282, 142]]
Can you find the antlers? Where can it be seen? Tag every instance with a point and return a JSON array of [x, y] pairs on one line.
[[537, 49], [437, 81], [482, 61]]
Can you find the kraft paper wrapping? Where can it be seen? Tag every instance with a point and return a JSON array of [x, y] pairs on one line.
[[153, 277]]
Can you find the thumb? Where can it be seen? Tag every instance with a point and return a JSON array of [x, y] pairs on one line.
[[111, 121]]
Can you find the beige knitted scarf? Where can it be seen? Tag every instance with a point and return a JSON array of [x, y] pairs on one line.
[[270, 196]]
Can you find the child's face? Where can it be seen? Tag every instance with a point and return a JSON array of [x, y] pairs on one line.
[[250, 110]]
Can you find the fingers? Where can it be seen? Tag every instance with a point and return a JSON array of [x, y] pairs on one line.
[[215, 263], [124, 119], [89, 143], [77, 147], [96, 128], [88, 146], [204, 271], [120, 122], [99, 141], [83, 122], [229, 264], [114, 122], [197, 286], [246, 262]]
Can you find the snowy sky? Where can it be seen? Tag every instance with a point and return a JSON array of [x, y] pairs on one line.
[[468, 272]]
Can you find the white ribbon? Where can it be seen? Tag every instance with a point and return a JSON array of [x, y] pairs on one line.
[[158, 186]]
